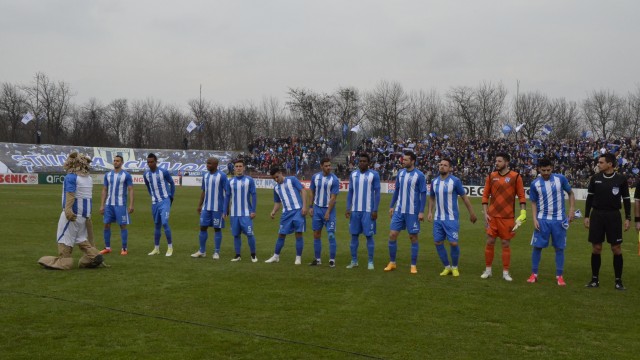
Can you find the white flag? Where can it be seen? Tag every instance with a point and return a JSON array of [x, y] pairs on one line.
[[27, 117], [519, 127], [356, 128], [191, 126]]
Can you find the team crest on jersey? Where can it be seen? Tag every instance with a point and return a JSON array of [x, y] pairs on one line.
[[615, 190], [507, 180]]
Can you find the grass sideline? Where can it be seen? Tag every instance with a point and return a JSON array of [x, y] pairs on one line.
[[174, 308]]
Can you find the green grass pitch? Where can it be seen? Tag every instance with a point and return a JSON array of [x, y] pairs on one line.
[[182, 308]]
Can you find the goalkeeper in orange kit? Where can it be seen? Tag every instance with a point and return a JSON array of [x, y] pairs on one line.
[[498, 203]]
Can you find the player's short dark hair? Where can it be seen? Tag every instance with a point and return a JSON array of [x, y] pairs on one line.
[[365, 155], [325, 160], [119, 156], [238, 161], [544, 162], [411, 154], [504, 155], [274, 170], [447, 160], [152, 156], [609, 157]]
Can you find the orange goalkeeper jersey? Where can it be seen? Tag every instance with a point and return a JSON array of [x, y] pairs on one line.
[[502, 189]]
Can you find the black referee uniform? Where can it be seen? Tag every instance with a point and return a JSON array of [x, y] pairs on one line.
[[605, 193]]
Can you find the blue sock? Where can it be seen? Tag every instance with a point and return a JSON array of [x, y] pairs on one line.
[[370, 247], [237, 244], [124, 233], [442, 253], [354, 248], [279, 245], [393, 248], [156, 235], [107, 237], [414, 252], [299, 245], [167, 233], [317, 247], [536, 255], [455, 255], [559, 262], [252, 243], [218, 240], [203, 241], [332, 245]]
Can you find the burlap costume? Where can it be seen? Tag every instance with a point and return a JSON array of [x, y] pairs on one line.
[[73, 227]]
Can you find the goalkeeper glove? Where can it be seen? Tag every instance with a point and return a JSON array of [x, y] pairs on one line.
[[520, 220]]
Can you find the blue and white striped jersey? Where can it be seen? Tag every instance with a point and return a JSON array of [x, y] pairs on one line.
[[117, 184], [548, 196], [214, 186], [288, 193], [410, 192], [323, 187], [364, 191], [445, 192], [159, 184], [241, 195], [82, 187]]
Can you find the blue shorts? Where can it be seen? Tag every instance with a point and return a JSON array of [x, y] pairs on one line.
[[318, 219], [116, 214], [212, 218], [241, 224], [361, 223], [160, 212], [405, 221], [292, 222], [556, 229], [446, 230]]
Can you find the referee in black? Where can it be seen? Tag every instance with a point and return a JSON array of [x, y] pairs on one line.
[[606, 188]]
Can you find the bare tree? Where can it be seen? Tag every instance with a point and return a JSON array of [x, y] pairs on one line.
[[565, 118], [604, 112], [50, 100], [490, 100], [173, 122], [117, 121], [13, 106], [633, 109], [314, 110], [463, 106], [385, 108], [423, 114], [532, 109], [271, 118]]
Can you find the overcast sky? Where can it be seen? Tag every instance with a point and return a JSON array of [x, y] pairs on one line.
[[246, 50]]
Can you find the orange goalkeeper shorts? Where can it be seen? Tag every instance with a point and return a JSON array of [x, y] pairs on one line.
[[501, 228]]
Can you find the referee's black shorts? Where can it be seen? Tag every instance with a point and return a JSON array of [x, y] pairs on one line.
[[607, 223]]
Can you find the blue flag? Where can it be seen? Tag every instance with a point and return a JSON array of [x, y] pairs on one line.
[[506, 129], [546, 130]]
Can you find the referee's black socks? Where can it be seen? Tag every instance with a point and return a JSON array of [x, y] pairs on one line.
[[595, 265], [617, 266]]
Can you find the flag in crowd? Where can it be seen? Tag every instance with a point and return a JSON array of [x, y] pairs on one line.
[[27, 117], [356, 128], [192, 125], [546, 129], [519, 127], [506, 129]]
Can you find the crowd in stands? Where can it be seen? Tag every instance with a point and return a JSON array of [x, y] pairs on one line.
[[295, 155], [473, 159]]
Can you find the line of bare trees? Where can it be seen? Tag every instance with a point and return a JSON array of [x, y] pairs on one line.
[[388, 109]]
